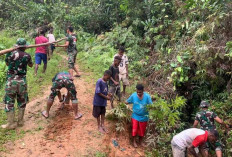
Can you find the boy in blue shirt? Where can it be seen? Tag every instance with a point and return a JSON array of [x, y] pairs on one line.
[[100, 100], [140, 101]]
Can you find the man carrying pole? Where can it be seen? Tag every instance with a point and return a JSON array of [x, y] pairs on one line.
[[72, 51], [16, 84]]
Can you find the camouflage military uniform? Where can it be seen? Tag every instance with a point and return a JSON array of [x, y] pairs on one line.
[[207, 122], [72, 59], [72, 51], [16, 84], [63, 79]]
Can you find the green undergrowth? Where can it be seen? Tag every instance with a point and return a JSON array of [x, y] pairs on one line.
[[97, 52], [36, 84], [96, 55], [100, 154]]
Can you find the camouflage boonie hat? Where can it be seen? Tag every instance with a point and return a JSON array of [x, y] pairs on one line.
[[21, 42], [204, 104]]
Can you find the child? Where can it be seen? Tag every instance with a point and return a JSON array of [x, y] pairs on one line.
[[114, 80], [100, 100], [140, 100], [41, 52], [51, 38], [123, 68]]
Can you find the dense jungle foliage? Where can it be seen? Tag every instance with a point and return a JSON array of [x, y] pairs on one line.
[[181, 50]]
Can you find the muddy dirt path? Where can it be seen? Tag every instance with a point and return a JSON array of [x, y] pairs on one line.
[[62, 136]]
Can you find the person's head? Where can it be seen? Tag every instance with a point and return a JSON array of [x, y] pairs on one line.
[[21, 43], [139, 90], [42, 32], [70, 29], [107, 75], [204, 105], [213, 136], [117, 61], [51, 31], [121, 50]]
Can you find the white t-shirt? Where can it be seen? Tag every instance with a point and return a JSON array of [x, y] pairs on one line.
[[190, 137], [51, 38], [122, 65]]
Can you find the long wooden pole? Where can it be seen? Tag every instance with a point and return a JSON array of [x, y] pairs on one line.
[[2, 52]]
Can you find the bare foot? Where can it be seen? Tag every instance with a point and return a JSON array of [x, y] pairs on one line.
[[135, 144], [44, 114], [101, 130], [78, 116], [104, 129], [143, 144]]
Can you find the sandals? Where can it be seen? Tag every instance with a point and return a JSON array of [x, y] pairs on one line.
[[77, 75], [43, 114], [79, 116], [76, 118]]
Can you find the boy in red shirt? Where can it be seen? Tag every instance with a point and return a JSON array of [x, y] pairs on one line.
[[41, 52]]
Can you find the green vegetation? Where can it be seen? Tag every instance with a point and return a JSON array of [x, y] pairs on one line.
[[100, 154], [181, 49]]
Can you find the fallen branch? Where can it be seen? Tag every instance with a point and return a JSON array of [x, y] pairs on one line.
[[2, 52]]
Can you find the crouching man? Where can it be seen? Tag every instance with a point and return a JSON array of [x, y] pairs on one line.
[[190, 139], [63, 80]]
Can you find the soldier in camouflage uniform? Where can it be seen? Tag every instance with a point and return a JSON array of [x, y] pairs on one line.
[[207, 120], [16, 84], [71, 50], [63, 80]]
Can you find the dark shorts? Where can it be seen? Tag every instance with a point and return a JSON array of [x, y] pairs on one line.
[[52, 47], [40, 57], [115, 90], [99, 110]]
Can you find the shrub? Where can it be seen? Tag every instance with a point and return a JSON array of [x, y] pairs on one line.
[[164, 123]]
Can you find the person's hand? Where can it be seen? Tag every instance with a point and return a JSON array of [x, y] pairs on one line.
[[129, 107], [108, 97], [16, 47], [116, 83]]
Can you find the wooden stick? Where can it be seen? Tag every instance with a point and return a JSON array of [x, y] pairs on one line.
[[2, 52]]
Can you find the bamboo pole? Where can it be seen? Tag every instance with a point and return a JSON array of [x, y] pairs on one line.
[[2, 52]]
